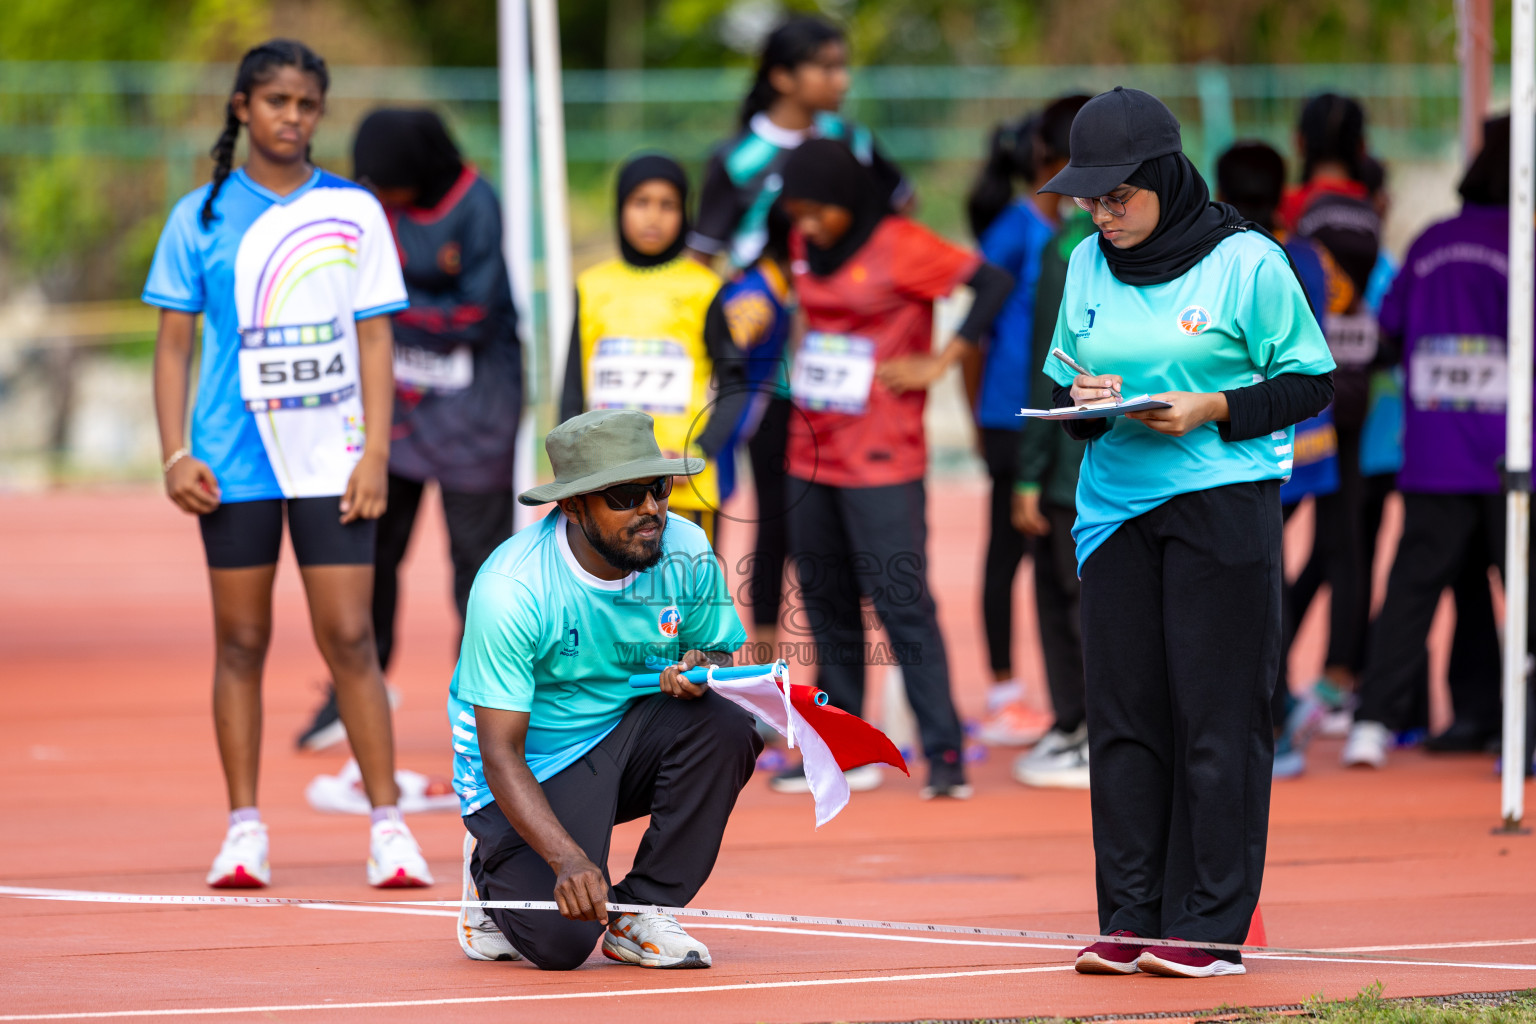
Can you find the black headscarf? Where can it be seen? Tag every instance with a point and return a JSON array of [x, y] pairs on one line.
[[1487, 180], [1188, 227], [407, 149], [826, 171], [652, 167]]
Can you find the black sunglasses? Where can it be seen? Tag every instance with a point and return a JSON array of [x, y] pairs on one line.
[[623, 497]]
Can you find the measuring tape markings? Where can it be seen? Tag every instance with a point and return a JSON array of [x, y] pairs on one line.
[[88, 896]]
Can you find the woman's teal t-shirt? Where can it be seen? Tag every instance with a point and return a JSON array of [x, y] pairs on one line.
[[1236, 318]]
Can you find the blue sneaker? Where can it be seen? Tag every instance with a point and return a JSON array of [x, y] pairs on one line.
[[1289, 762]]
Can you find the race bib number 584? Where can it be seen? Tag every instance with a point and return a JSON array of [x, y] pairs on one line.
[[297, 367]]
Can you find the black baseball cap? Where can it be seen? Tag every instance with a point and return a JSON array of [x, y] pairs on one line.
[[1115, 133]]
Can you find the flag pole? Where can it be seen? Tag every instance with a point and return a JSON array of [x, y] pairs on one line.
[[550, 109]]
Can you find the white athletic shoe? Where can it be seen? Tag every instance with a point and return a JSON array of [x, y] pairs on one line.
[[1060, 761], [653, 939], [479, 937], [394, 859], [860, 780], [1367, 745], [242, 860]]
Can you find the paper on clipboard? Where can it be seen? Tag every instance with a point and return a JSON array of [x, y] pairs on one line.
[[1097, 410]]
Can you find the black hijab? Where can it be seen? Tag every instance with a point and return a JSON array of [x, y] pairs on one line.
[[826, 171], [1487, 180], [407, 149], [651, 167], [1188, 228]]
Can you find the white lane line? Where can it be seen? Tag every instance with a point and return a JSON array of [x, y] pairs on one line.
[[1480, 944], [542, 997], [67, 893]]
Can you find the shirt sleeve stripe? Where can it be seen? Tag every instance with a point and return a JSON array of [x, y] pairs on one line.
[[388, 307], [166, 302]]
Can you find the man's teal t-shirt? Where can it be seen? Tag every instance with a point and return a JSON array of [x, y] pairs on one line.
[[543, 635], [1236, 318]]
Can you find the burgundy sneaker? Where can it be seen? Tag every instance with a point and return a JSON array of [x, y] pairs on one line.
[[1185, 962], [1109, 957]]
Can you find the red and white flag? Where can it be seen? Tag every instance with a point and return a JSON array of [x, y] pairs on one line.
[[830, 741]]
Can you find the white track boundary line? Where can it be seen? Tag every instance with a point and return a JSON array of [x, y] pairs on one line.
[[1477, 944], [539, 997], [1307, 955]]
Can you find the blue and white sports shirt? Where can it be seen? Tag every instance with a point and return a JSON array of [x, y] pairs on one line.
[[281, 282]]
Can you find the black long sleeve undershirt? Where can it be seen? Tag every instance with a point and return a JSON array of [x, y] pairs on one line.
[[991, 286], [1252, 412]]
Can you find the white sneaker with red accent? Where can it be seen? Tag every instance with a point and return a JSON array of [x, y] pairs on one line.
[[653, 939], [242, 860], [1015, 725], [394, 859]]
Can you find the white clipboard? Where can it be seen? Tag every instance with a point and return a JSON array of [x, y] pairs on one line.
[[1097, 410]]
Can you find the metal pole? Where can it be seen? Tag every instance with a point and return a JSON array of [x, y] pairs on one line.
[[1522, 282], [517, 228], [550, 106]]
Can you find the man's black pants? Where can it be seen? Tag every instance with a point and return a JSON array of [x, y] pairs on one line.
[[1058, 600], [854, 542], [682, 762], [1446, 538], [477, 523], [1181, 636]]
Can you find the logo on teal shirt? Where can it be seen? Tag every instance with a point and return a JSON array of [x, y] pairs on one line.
[[1194, 319], [570, 639]]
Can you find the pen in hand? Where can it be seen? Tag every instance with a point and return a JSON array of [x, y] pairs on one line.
[[1059, 354]]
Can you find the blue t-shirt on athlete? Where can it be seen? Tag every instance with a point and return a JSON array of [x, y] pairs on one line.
[[1236, 318], [281, 282], [545, 636], [1013, 242], [756, 307]]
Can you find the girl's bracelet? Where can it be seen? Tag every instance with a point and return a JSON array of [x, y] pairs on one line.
[[176, 456]]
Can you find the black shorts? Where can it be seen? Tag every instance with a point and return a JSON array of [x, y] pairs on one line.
[[245, 534]]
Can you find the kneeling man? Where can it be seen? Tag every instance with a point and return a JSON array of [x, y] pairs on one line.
[[552, 746]]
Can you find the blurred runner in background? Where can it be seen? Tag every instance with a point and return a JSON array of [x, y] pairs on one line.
[[801, 81], [458, 363], [867, 280], [641, 337], [1013, 233]]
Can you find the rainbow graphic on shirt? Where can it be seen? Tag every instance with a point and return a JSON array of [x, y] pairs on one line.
[[310, 247]]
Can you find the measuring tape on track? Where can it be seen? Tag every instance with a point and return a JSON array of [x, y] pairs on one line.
[[85, 896]]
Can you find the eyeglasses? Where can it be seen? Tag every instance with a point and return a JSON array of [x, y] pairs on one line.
[[1113, 204], [623, 497]]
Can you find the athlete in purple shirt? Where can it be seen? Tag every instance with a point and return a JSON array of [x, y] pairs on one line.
[[1446, 311]]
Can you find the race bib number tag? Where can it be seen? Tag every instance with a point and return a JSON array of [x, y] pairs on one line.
[[833, 372], [1460, 373], [434, 372], [1353, 338], [300, 367], [654, 375]]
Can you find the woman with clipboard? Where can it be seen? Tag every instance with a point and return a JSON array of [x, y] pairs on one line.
[[1178, 529]]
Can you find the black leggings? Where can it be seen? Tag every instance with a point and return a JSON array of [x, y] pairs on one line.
[[1006, 548], [765, 577], [477, 524]]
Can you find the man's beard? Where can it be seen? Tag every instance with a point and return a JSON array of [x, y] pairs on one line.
[[623, 559]]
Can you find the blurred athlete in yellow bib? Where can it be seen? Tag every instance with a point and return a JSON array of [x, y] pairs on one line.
[[649, 334]]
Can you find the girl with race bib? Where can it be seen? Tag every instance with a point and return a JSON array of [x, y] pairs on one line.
[[650, 334], [802, 78], [458, 363], [1178, 529], [867, 280], [294, 273]]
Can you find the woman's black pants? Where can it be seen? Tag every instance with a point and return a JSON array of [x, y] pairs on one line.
[[1181, 637]]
